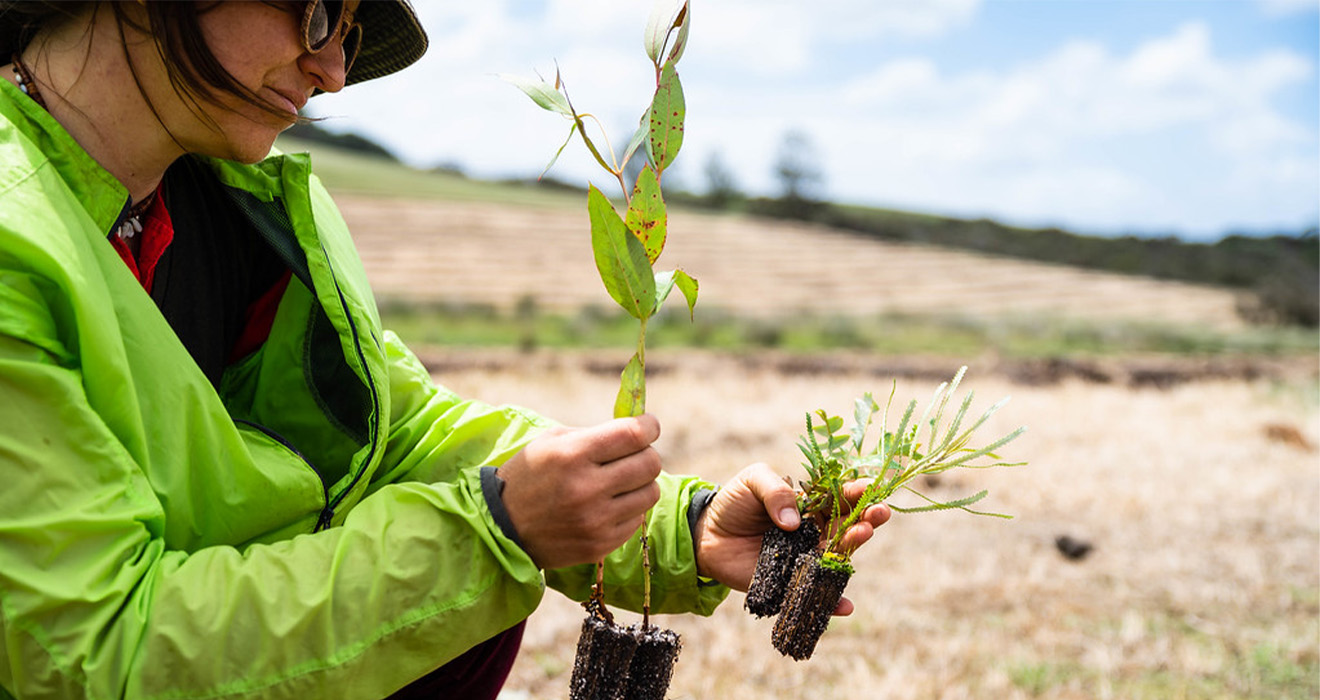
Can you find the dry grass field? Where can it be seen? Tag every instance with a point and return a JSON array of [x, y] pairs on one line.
[[1200, 493], [1204, 581]]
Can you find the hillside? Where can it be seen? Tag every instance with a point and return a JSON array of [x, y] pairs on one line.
[[474, 253], [438, 237]]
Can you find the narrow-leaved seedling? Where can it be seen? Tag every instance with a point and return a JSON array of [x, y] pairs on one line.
[[819, 562]]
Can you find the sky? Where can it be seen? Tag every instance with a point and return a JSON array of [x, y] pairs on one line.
[[1191, 118]]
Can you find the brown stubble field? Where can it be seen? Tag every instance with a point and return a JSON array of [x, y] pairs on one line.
[[1200, 494], [1203, 581]]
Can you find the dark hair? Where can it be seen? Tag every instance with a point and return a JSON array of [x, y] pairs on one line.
[[194, 72]]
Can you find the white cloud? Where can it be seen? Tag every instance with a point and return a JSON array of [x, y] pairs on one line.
[[1172, 133], [1060, 138], [776, 36], [1280, 8]]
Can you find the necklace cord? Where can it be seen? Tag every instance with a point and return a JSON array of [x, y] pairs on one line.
[[26, 83]]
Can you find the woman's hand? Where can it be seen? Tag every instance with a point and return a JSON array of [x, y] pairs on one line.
[[577, 494], [729, 532]]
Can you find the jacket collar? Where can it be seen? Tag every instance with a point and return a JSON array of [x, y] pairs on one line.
[[31, 129]]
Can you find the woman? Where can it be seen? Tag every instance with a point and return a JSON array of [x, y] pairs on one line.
[[224, 478]]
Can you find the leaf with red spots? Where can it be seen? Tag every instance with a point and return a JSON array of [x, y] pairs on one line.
[[631, 400], [646, 214], [668, 110]]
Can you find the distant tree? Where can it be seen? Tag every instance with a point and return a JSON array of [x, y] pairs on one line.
[[449, 167], [310, 131], [797, 168], [721, 186]]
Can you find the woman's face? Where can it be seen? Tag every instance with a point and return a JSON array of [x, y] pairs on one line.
[[260, 45]]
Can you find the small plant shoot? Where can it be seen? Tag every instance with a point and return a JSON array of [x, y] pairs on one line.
[[626, 248], [801, 575]]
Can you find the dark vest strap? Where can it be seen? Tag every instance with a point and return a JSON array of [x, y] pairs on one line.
[[217, 265]]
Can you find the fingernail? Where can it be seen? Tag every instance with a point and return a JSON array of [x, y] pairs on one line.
[[789, 517]]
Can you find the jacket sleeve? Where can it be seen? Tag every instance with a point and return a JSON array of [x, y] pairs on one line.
[[437, 435], [95, 604]]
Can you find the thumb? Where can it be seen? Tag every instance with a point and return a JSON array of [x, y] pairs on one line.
[[775, 494]]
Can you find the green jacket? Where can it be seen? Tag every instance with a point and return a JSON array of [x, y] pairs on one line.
[[160, 538]]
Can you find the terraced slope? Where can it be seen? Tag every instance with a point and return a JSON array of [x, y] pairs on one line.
[[481, 253]]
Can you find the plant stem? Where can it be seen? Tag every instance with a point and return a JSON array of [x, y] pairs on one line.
[[877, 492], [646, 578], [623, 185], [646, 545]]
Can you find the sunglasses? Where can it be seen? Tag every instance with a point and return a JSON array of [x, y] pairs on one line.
[[322, 21]]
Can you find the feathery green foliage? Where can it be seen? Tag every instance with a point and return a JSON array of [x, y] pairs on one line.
[[916, 447]]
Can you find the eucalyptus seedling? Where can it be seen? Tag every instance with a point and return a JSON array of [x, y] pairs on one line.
[[916, 447], [626, 248]]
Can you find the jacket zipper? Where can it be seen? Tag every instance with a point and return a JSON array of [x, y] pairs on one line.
[[328, 513]]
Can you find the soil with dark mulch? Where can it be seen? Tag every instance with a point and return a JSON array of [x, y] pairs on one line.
[[604, 652], [774, 566], [653, 665], [1136, 371], [813, 594]]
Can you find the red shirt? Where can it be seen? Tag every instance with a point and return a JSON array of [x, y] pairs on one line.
[[157, 234]]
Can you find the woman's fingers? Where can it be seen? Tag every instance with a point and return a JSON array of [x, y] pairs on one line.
[[774, 493], [618, 438], [574, 495]]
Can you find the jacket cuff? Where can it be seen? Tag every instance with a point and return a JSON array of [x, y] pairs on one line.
[[700, 502], [492, 488]]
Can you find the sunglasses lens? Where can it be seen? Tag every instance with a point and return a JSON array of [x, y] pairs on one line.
[[352, 42], [321, 20]]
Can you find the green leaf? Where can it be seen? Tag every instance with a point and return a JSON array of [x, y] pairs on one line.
[[688, 286], [586, 140], [988, 450], [547, 96], [551, 164], [818, 459], [863, 410], [646, 214], [665, 283], [666, 119], [682, 22], [960, 504], [631, 400], [665, 15], [639, 137], [620, 258]]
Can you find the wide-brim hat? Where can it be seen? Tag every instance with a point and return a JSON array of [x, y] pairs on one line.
[[392, 37]]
